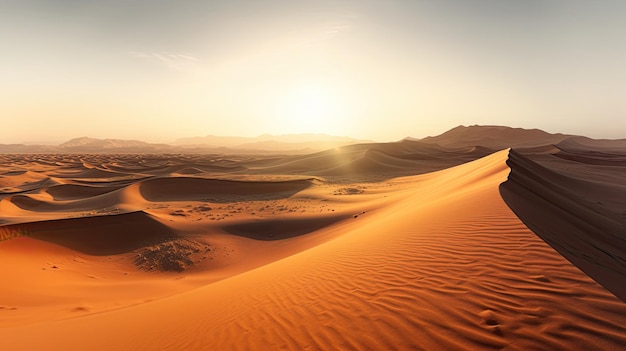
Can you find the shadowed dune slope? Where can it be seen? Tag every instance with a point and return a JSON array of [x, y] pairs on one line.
[[593, 152], [190, 169], [100, 235], [187, 188], [597, 159], [75, 191], [583, 220], [445, 265], [279, 229], [93, 173], [586, 145]]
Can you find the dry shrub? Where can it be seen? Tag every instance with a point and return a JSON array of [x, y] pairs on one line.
[[10, 233]]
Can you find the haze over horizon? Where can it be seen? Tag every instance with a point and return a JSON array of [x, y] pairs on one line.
[[380, 70]]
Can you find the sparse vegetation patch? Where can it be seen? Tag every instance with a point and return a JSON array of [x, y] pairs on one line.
[[10, 233], [171, 256]]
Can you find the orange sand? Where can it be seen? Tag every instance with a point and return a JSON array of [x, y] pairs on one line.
[[162, 256]]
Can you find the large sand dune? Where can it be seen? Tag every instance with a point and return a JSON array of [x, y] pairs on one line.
[[170, 253], [590, 212]]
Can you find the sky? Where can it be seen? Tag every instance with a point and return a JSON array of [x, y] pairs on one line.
[[159, 70]]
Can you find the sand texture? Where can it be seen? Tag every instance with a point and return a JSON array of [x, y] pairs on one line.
[[399, 246]]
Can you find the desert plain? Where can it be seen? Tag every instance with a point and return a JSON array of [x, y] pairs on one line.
[[480, 238]]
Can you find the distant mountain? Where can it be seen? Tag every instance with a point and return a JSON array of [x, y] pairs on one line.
[[495, 137], [281, 144], [309, 142], [212, 141], [86, 142], [480, 139], [90, 145], [26, 149]]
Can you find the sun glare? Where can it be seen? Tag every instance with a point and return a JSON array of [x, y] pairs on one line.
[[314, 109]]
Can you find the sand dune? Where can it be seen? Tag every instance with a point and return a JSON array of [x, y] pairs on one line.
[[586, 145], [263, 259], [95, 173], [45, 203], [278, 229], [100, 235], [189, 170], [371, 162], [590, 212], [15, 182], [185, 188], [75, 191]]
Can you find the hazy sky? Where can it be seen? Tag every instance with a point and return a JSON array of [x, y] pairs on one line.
[[158, 70]]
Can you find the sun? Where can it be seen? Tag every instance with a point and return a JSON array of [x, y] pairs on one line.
[[312, 103], [314, 109]]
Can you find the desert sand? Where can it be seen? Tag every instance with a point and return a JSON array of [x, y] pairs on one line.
[[399, 246]]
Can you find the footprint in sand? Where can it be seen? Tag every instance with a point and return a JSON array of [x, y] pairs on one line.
[[491, 321], [81, 309]]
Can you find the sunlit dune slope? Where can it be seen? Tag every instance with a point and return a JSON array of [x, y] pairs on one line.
[[441, 263]]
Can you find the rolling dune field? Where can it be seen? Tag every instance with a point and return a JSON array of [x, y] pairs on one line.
[[388, 247]]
